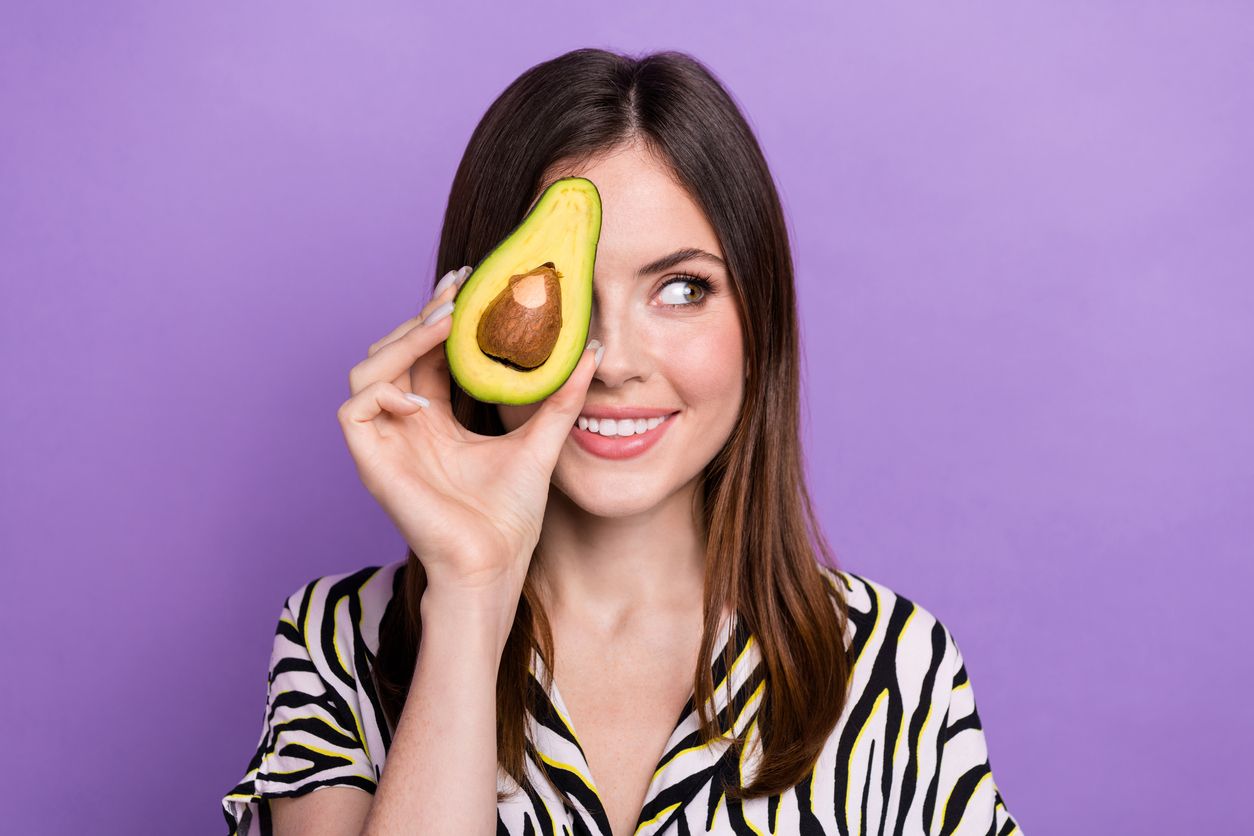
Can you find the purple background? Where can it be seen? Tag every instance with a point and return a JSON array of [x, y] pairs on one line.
[[1023, 237]]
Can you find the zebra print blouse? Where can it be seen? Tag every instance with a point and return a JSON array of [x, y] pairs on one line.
[[908, 756]]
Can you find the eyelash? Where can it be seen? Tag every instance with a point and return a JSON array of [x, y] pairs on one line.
[[703, 282]]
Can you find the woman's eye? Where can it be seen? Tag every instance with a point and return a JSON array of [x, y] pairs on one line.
[[682, 299]]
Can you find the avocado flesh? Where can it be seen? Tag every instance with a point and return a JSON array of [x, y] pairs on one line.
[[529, 301]]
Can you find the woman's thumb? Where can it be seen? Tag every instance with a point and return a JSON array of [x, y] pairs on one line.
[[550, 425]]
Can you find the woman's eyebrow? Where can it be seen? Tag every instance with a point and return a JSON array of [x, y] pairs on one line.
[[666, 262]]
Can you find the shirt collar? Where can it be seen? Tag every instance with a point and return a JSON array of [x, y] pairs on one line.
[[684, 756]]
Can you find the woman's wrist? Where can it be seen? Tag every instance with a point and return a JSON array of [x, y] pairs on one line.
[[485, 614]]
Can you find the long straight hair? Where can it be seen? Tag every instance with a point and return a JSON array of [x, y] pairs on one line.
[[763, 539]]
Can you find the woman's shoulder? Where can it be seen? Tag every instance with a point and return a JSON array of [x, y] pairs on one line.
[[323, 725], [884, 623], [345, 608], [908, 666]]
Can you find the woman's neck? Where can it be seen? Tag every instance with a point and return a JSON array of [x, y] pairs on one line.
[[608, 571]]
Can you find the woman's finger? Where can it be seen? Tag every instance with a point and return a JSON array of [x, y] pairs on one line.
[[357, 414], [392, 360], [453, 278], [445, 290], [397, 357], [429, 375], [549, 427]]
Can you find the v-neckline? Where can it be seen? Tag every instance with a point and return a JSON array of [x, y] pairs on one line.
[[728, 628]]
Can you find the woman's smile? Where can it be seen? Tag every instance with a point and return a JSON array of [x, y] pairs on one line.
[[620, 438]]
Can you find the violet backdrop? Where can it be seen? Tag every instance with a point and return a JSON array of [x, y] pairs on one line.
[[1023, 235]]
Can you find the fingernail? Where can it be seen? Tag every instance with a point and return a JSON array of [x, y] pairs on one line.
[[439, 313], [418, 399], [443, 285], [594, 343], [464, 274]]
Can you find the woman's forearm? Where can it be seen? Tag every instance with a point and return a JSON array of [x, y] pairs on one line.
[[441, 770]]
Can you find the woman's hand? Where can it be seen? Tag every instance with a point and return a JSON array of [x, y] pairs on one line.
[[469, 505]]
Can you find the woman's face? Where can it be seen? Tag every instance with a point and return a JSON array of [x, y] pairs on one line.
[[669, 344]]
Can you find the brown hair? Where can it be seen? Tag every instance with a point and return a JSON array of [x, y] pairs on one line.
[[762, 532]]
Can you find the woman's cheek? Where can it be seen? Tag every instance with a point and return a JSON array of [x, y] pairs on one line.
[[706, 361]]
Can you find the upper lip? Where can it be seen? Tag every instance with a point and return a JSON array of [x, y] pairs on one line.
[[623, 412]]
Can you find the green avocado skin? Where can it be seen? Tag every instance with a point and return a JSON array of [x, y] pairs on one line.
[[563, 227]]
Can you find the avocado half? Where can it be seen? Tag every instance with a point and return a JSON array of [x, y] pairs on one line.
[[520, 320]]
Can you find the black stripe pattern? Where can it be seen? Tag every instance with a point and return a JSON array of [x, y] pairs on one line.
[[909, 755]]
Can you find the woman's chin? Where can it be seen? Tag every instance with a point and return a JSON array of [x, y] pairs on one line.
[[618, 498]]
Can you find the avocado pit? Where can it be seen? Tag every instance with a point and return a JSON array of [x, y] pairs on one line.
[[521, 325]]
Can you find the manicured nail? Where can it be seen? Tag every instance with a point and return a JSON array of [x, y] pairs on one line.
[[594, 343], [449, 278], [418, 399], [439, 313], [464, 274]]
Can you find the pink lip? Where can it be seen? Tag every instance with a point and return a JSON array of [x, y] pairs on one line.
[[614, 447]]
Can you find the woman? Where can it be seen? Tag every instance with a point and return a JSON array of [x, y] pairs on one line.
[[573, 591]]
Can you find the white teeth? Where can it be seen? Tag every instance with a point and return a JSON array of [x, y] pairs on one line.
[[623, 427]]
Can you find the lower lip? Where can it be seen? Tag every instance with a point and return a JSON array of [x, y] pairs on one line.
[[616, 447]]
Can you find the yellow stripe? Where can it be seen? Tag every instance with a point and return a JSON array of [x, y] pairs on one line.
[[744, 709], [361, 735], [737, 723], [585, 778], [568, 768], [901, 725], [879, 610], [558, 711], [744, 654], [1013, 826], [335, 638], [923, 731], [951, 794], [677, 756], [731, 671], [565, 722], [547, 809], [913, 612], [314, 749], [854, 749], [739, 718], [743, 754], [661, 815], [714, 820], [729, 677], [322, 720]]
